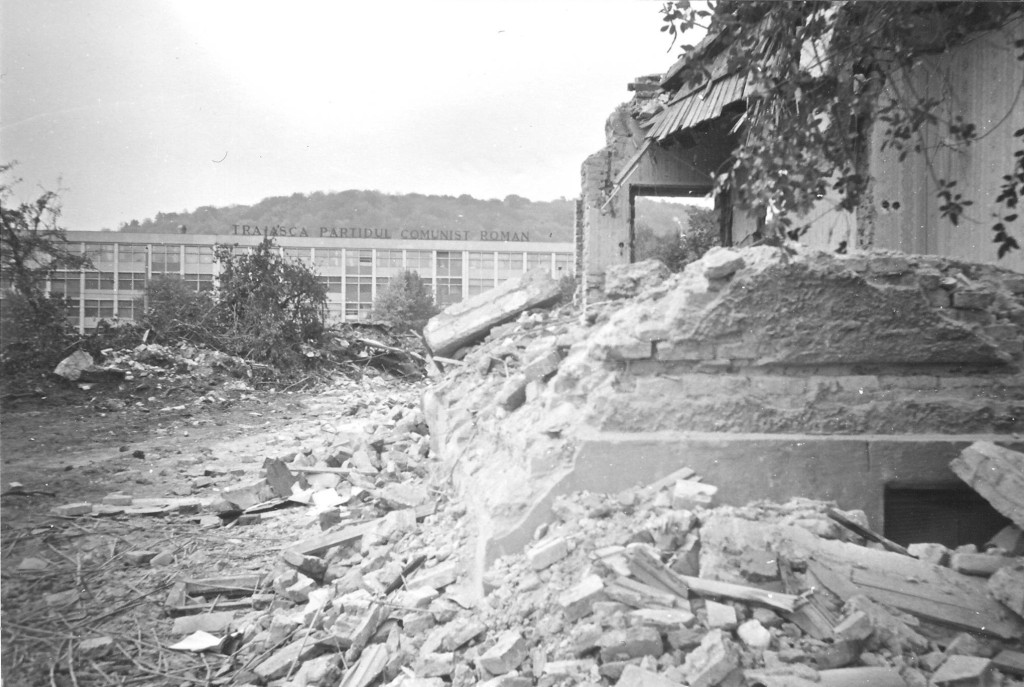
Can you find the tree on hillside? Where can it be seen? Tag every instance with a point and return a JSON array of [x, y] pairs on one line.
[[819, 74], [406, 303]]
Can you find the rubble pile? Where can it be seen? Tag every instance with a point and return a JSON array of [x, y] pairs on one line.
[[650, 586], [775, 372], [350, 347]]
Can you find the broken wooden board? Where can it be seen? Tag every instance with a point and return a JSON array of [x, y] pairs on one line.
[[997, 474], [924, 590], [228, 585]]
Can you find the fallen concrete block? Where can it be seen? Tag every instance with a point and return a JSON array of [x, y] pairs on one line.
[[964, 671], [629, 279], [72, 366], [633, 642], [687, 495], [712, 661], [720, 263], [1010, 539], [570, 668], [720, 616], [1007, 586], [311, 566], [438, 577], [462, 632], [979, 564], [855, 626], [635, 676], [1009, 662], [371, 664], [547, 553], [117, 500], [997, 474], [464, 323], [507, 654], [664, 619], [936, 554], [754, 635], [578, 601]]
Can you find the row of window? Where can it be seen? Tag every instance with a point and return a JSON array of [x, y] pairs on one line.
[[70, 283]]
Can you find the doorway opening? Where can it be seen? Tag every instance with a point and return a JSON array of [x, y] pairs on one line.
[[676, 224], [947, 515]]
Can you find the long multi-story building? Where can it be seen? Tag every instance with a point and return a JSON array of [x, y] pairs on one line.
[[353, 264]]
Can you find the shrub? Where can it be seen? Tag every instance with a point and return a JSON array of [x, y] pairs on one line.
[[175, 312], [679, 249], [406, 303]]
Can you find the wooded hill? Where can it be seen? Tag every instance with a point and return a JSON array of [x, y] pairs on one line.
[[543, 220]]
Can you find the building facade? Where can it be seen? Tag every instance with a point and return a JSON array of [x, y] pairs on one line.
[[353, 265]]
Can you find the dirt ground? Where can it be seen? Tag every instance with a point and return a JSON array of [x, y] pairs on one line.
[[70, 444]]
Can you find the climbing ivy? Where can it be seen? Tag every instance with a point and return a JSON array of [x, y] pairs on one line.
[[819, 73]]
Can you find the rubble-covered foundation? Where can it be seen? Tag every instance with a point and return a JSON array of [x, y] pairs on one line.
[[773, 372]]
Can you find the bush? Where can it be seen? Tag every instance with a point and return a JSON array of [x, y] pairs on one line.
[[36, 334], [266, 308], [406, 303], [177, 312]]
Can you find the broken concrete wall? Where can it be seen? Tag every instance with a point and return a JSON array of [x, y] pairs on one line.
[[606, 217], [773, 372]]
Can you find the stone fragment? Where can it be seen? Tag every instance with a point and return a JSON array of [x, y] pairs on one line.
[[72, 509], [438, 577], [933, 553], [95, 647], [635, 676], [404, 494], [754, 635], [687, 494], [979, 564], [543, 366], [720, 616], [139, 558], [463, 323], [664, 619], [512, 393], [62, 599], [711, 662], [71, 367], [322, 671], [164, 558], [462, 632], [964, 671], [633, 642], [578, 602], [569, 668], [31, 563], [1010, 540], [973, 299], [311, 566], [507, 654], [547, 552], [855, 626], [1007, 586], [719, 263], [629, 279]]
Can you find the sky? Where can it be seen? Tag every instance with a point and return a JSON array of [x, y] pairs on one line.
[[130, 108]]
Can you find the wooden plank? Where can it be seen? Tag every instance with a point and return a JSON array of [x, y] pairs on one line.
[[227, 585], [908, 584], [738, 592], [649, 569], [866, 533], [317, 545], [816, 618]]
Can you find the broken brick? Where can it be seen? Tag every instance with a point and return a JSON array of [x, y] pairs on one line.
[[963, 671], [506, 655], [547, 553], [578, 602], [633, 642]]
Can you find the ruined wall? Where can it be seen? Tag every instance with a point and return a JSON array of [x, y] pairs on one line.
[[772, 372], [606, 225]]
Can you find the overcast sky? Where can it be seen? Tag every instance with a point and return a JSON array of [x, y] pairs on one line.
[[134, 108]]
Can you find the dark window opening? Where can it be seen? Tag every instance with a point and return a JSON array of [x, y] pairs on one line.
[[951, 516]]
